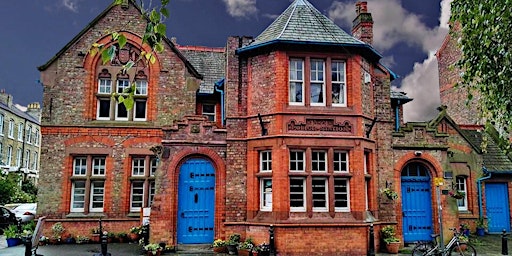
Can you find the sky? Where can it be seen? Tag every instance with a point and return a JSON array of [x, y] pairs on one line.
[[406, 32]]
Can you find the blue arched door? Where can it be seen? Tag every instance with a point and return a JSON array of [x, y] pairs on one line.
[[196, 202], [416, 203]]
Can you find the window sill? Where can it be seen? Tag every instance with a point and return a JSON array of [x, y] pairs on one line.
[[83, 215]]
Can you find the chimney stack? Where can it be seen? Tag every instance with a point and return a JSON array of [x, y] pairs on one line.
[[362, 26]]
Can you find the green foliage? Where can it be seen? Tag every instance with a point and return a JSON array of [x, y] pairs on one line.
[[484, 40], [12, 192], [11, 232], [153, 37], [388, 234]]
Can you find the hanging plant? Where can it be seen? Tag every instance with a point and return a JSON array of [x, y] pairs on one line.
[[456, 194], [390, 193]]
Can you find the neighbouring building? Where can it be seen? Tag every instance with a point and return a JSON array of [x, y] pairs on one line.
[[19, 138], [296, 129]]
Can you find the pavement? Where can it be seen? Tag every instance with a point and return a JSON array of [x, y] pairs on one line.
[[488, 245]]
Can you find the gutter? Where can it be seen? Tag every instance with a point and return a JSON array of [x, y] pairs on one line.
[[479, 190], [218, 85]]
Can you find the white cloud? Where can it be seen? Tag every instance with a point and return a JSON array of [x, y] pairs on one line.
[[241, 8], [71, 5], [422, 83]]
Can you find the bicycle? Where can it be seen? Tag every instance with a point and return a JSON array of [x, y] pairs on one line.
[[456, 246]]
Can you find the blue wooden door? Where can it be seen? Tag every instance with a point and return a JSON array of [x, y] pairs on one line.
[[496, 204], [416, 204], [196, 202]]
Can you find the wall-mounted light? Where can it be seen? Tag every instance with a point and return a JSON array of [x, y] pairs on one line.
[[417, 153]]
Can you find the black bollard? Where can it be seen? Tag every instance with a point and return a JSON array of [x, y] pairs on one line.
[[27, 240], [103, 242], [504, 243], [145, 234], [371, 241], [271, 240]]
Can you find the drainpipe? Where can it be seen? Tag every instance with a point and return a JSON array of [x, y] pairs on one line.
[[397, 116], [479, 190], [217, 84]]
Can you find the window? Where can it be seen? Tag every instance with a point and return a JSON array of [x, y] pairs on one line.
[[27, 159], [19, 155], [36, 137], [320, 181], [88, 184], [296, 81], [35, 160], [1, 124], [321, 90], [9, 156], [142, 189], [266, 194], [11, 128], [462, 204], [29, 134], [297, 161], [341, 195], [318, 161], [2, 162], [208, 110], [297, 195], [317, 83], [339, 95], [121, 82], [266, 161], [265, 166], [20, 131]]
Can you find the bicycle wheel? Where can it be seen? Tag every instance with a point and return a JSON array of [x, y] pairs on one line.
[[462, 249], [422, 248]]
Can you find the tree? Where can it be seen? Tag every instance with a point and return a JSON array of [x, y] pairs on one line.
[[153, 37], [485, 41]]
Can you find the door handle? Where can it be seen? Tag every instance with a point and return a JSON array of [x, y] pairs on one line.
[[183, 215], [196, 198]]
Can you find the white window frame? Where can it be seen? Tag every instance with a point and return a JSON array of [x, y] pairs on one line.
[[296, 76], [97, 191], [319, 161], [20, 131], [152, 192], [19, 155], [141, 87], [11, 129], [36, 137], [27, 159], [133, 194], [347, 194], [138, 166], [209, 115], [265, 194], [340, 162], [29, 134], [297, 161], [34, 161], [135, 109], [98, 166], [74, 194], [317, 77], [104, 86], [98, 104], [316, 193], [9, 155], [461, 186], [153, 166], [2, 119], [341, 76], [80, 166], [304, 191], [266, 161]]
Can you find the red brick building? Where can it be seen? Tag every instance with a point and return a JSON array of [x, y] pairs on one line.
[[296, 129]]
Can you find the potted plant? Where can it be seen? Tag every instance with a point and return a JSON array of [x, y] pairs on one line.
[[456, 194], [246, 247], [121, 237], [110, 237], [12, 235], [389, 193], [95, 235], [480, 226], [232, 243], [135, 232], [57, 230], [464, 229], [82, 239], [263, 249], [219, 246], [43, 240], [153, 249], [389, 237]]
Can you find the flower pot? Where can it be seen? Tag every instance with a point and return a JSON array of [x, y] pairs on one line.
[[134, 237], [393, 247], [480, 231], [220, 249], [232, 250], [263, 253], [95, 238], [244, 252], [157, 253], [12, 242]]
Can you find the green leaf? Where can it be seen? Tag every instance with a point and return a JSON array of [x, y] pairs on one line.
[[128, 66], [154, 17], [159, 47], [93, 51], [160, 28], [164, 12], [118, 2], [120, 99], [152, 59], [122, 41], [129, 102]]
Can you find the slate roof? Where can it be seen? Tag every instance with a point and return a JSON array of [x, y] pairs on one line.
[[494, 158], [402, 96], [18, 112], [301, 22], [209, 62]]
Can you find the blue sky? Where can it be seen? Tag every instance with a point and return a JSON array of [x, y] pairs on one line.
[[406, 32]]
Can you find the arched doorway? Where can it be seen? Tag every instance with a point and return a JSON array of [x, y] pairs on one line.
[[196, 202], [416, 203]]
